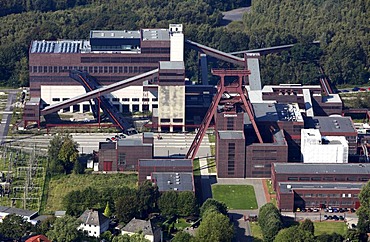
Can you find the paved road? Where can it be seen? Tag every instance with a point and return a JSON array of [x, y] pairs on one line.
[[7, 114]]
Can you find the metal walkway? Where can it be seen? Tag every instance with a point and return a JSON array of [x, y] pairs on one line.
[[98, 92], [90, 84]]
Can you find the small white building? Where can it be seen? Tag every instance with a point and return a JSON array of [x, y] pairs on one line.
[[323, 149], [149, 231], [94, 223]]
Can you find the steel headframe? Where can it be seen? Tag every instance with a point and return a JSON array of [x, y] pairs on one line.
[[235, 88]]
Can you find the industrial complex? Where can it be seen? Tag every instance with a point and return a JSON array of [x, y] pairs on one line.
[[295, 134]]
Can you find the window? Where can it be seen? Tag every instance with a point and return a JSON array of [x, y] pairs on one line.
[[56, 99], [115, 99], [304, 178], [135, 99], [155, 106], [145, 99], [315, 178], [125, 99], [230, 123], [231, 159], [292, 178], [165, 120], [154, 99], [177, 120]]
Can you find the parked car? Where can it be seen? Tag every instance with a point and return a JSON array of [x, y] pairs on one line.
[[325, 217], [303, 210], [345, 90], [122, 136], [330, 210], [363, 89], [108, 139], [353, 210], [113, 138], [355, 89], [330, 217], [335, 210], [315, 209], [117, 137], [335, 217], [341, 217], [298, 210]]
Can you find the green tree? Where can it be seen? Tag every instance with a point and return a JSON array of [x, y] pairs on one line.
[[64, 229], [126, 207], [147, 196], [186, 204], [211, 203], [334, 237], [54, 147], [269, 219], [294, 234], [182, 237], [355, 236], [308, 226], [45, 225], [215, 227], [363, 212], [107, 211], [68, 153], [14, 227], [167, 204]]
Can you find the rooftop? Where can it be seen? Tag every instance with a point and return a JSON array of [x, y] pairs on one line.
[[17, 211], [287, 187], [136, 225], [332, 168], [107, 145], [231, 134], [274, 112], [331, 124], [171, 65], [60, 46], [92, 217], [121, 34], [155, 34], [171, 181], [166, 162], [132, 142], [331, 98]]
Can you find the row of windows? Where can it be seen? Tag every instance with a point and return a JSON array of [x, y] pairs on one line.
[[90, 69], [231, 159], [175, 120], [331, 195], [327, 179], [330, 203], [57, 99]]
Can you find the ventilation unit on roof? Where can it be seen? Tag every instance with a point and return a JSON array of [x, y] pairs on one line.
[[175, 189], [289, 186]]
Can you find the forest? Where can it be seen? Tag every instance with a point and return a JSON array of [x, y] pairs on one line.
[[342, 27]]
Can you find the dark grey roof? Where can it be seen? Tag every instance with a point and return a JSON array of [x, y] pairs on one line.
[[93, 217], [287, 187], [137, 225], [17, 211], [107, 145], [231, 134], [274, 112], [62, 46], [116, 34], [173, 181], [166, 162], [311, 168], [132, 142], [331, 124], [155, 34]]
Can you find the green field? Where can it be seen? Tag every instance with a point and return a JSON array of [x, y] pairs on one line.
[[330, 227], [235, 196], [59, 186], [211, 163]]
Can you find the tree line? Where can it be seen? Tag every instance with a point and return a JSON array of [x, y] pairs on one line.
[[275, 229], [340, 26]]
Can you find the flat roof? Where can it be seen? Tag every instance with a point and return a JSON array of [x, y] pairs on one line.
[[331, 124], [171, 181], [231, 134], [118, 34], [166, 162], [287, 187], [274, 112], [314, 168], [107, 145], [155, 34], [132, 142], [331, 98], [34, 101], [171, 65]]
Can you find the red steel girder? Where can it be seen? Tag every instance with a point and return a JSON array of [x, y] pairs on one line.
[[221, 88]]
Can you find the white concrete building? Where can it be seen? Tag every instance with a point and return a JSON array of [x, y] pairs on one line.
[[323, 149], [94, 223]]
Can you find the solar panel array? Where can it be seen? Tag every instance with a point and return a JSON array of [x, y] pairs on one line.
[[56, 46]]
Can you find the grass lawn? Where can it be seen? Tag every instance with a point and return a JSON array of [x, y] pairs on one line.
[[181, 224], [330, 227], [211, 165], [235, 196], [196, 167], [269, 186], [256, 230], [59, 186]]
